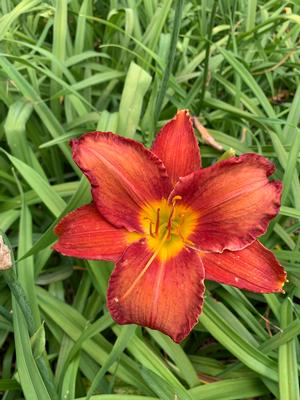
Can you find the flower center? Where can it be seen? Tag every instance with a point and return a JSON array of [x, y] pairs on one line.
[[167, 227]]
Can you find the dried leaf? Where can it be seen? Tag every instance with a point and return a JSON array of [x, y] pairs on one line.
[[5, 257], [206, 136]]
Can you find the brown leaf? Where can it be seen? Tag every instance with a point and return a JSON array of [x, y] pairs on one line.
[[5, 257], [206, 136]]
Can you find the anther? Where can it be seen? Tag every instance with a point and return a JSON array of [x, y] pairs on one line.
[[175, 198]]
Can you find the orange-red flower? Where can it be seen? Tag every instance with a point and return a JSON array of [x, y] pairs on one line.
[[169, 224]]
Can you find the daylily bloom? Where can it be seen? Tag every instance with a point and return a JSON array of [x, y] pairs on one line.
[[168, 224]]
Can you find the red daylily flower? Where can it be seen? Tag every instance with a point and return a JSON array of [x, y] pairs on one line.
[[168, 224]]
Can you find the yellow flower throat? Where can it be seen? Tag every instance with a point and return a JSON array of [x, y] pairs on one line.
[[167, 227]]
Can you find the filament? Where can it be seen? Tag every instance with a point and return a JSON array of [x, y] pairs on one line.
[[157, 222], [144, 270]]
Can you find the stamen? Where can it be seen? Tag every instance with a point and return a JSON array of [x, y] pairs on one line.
[[150, 229], [169, 227], [144, 270], [175, 198], [150, 226], [157, 222]]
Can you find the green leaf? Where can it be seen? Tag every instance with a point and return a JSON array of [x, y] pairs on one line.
[[38, 342], [136, 85], [235, 343], [121, 343], [230, 389], [287, 360], [41, 187], [177, 354]]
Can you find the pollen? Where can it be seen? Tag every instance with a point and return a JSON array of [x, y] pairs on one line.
[[167, 226]]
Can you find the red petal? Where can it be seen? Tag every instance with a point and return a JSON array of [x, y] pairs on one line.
[[166, 296], [234, 199], [254, 268], [176, 145], [124, 175], [84, 233]]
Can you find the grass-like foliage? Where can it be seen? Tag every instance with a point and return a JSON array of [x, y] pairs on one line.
[[126, 66]]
